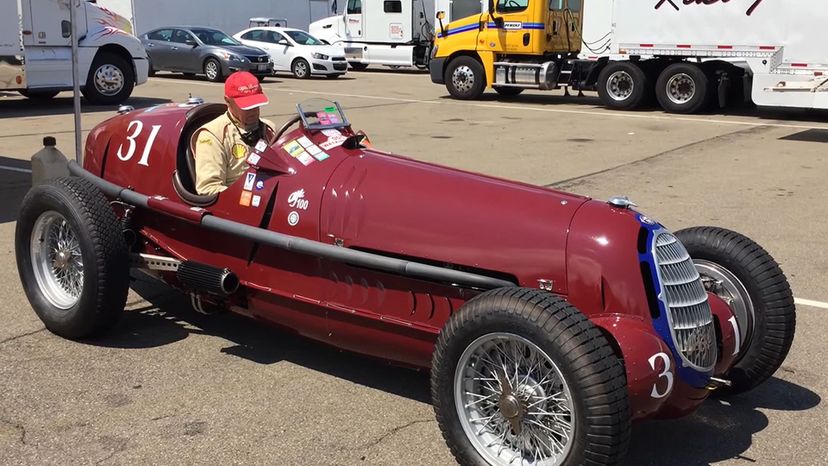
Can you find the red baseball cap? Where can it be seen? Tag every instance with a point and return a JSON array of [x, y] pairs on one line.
[[245, 90]]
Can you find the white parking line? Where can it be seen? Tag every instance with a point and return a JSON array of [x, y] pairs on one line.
[[531, 108], [15, 169], [809, 303]]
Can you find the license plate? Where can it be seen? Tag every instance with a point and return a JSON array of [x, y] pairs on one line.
[[262, 67]]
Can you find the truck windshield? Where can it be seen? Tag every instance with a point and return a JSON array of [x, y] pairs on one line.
[[303, 38], [511, 6], [214, 37]]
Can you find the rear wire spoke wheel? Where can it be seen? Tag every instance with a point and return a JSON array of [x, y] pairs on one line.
[[72, 259], [520, 376]]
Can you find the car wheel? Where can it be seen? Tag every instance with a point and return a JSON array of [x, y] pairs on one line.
[[508, 91], [212, 69], [39, 95], [465, 78], [72, 258], [743, 274], [358, 66], [623, 85], [110, 80], [521, 376], [300, 68], [151, 70], [683, 88]]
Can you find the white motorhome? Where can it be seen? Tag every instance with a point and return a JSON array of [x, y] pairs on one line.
[[36, 51], [382, 32], [684, 51]]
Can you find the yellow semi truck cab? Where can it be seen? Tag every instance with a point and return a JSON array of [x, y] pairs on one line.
[[508, 45]]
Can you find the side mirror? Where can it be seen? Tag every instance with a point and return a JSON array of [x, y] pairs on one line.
[[441, 15], [284, 42], [191, 42]]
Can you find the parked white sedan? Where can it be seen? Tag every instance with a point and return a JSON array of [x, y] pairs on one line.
[[296, 51]]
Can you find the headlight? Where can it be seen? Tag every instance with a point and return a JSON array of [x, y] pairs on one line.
[[320, 56], [232, 57]]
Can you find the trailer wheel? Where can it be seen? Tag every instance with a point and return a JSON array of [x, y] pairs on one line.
[[110, 80], [521, 376], [72, 258], [742, 273], [623, 85], [465, 78], [683, 88]]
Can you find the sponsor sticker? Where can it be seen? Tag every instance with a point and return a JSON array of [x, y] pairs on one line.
[[313, 150], [293, 148], [257, 200], [306, 159], [253, 159], [333, 141], [249, 181], [297, 200], [261, 145], [239, 151], [321, 156], [259, 185], [512, 25], [245, 199], [293, 218], [304, 142]]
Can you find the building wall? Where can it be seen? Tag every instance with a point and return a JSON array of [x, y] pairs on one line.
[[229, 16]]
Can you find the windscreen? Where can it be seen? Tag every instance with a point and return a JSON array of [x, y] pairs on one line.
[[303, 38], [214, 37]]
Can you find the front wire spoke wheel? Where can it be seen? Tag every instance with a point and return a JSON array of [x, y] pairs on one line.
[[513, 402]]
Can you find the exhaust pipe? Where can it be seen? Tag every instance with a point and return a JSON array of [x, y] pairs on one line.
[[202, 277]]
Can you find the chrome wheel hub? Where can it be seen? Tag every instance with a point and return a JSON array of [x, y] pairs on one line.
[[57, 260], [681, 89], [724, 284], [513, 402], [212, 70], [620, 86], [109, 79], [463, 78]]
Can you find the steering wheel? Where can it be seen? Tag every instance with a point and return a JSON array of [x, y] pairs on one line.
[[286, 126]]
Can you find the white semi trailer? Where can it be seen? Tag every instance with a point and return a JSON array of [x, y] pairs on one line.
[[36, 51], [690, 54]]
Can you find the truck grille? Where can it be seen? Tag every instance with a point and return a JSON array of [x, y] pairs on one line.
[[685, 298]]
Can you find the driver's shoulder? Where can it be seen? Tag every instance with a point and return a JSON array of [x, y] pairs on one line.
[[216, 126]]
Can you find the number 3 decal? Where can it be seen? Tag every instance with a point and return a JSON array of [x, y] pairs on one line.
[[665, 373], [139, 126]]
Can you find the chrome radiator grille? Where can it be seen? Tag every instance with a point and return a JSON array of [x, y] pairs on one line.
[[691, 319]]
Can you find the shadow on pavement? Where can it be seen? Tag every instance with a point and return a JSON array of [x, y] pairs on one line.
[[63, 104], [15, 181], [720, 430], [167, 317]]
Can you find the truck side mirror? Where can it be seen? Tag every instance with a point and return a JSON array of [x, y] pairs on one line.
[[440, 16]]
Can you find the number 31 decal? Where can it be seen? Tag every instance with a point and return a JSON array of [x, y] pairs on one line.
[[135, 127], [665, 373]]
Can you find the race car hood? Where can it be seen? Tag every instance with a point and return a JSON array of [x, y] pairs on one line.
[[411, 209]]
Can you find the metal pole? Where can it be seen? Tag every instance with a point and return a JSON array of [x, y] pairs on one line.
[[75, 81]]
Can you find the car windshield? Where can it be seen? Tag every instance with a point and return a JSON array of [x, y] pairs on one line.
[[214, 37], [303, 38]]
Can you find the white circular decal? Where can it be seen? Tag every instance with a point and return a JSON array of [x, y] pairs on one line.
[[293, 218]]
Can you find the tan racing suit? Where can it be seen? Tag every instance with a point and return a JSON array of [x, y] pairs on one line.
[[221, 153]]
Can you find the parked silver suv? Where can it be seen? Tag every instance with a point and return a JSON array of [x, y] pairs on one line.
[[203, 50]]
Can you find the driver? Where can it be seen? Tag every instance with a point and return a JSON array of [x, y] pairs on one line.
[[222, 145]]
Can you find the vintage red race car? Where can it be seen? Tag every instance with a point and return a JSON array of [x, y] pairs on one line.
[[549, 321]]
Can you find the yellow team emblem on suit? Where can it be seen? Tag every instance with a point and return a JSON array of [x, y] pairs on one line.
[[239, 151]]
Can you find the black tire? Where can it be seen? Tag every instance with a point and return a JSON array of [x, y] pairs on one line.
[[213, 71], [358, 66], [624, 85], [261, 78], [680, 77], [116, 67], [508, 91], [300, 68], [39, 95], [150, 68], [594, 374], [770, 330], [332, 76], [105, 271], [465, 78]]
